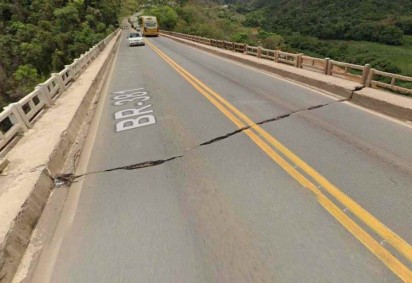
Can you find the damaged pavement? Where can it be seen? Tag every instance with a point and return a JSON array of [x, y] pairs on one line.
[[66, 179]]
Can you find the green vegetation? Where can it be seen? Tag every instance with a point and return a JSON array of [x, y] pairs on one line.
[[369, 20], [38, 37], [400, 56], [378, 32], [166, 16]]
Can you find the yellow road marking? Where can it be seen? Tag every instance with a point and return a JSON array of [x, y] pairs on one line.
[[225, 107], [392, 238]]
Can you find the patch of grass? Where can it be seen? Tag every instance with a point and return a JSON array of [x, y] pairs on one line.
[[401, 56]]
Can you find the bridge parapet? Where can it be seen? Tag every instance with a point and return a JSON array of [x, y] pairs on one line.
[[18, 117], [364, 75], [392, 85]]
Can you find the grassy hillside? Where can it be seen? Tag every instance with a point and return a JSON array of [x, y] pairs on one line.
[[371, 20], [378, 32], [400, 56]]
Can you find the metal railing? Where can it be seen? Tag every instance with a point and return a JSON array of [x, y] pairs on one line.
[[358, 73], [18, 117]]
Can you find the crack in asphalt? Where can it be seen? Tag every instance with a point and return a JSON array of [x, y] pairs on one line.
[[68, 178]]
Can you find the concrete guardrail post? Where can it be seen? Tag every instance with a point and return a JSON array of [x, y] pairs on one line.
[[365, 73], [245, 48], [369, 79], [259, 51], [330, 67], [72, 73], [298, 62], [59, 80], [43, 94], [77, 67], [21, 115], [17, 118], [326, 71], [276, 56]]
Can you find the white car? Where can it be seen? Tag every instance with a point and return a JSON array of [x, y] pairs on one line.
[[135, 38]]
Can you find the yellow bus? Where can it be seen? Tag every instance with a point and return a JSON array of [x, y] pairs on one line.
[[148, 25]]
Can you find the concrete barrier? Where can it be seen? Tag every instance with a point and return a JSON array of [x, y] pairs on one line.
[[335, 85], [38, 157], [42, 97], [339, 78], [396, 106]]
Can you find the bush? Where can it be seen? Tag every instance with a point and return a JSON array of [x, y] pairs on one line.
[[26, 77], [378, 33], [274, 41], [166, 16]]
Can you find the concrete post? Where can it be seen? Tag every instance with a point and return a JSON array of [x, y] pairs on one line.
[[46, 92], [259, 52], [276, 56], [17, 118], [330, 67], [326, 71], [60, 82], [298, 63], [76, 66], [369, 79], [365, 73], [71, 72], [245, 46], [22, 115], [43, 94]]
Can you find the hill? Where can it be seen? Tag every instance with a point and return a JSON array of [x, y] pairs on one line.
[[380, 21], [40, 36], [377, 32]]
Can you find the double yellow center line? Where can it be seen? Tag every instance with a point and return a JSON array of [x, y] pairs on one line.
[[273, 148]]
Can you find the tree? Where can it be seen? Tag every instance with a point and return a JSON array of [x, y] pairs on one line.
[[166, 16], [25, 77]]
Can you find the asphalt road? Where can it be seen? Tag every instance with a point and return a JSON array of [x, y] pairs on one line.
[[232, 210]]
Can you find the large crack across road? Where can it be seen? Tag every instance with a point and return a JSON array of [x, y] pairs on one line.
[[68, 178]]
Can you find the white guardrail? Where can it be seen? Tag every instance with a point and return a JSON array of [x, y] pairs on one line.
[[18, 117], [358, 73]]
